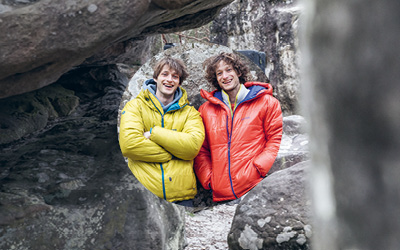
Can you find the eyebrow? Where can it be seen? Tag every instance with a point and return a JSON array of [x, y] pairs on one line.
[[172, 72]]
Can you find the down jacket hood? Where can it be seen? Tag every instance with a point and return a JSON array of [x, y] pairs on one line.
[[151, 85], [149, 94], [255, 88]]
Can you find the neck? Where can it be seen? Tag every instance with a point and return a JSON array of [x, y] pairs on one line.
[[232, 95], [165, 100]]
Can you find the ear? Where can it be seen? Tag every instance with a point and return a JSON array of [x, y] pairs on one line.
[[237, 73]]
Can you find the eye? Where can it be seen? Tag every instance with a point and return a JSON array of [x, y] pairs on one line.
[[229, 69], [175, 76], [219, 73]]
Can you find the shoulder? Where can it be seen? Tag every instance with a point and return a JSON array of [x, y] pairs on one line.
[[271, 99], [266, 102], [190, 109], [136, 102], [186, 111], [207, 106]]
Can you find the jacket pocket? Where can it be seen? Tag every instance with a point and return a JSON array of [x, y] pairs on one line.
[[247, 175]]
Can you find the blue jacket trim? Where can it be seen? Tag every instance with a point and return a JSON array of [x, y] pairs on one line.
[[252, 94]]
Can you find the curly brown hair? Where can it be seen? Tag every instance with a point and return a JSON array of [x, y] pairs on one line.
[[230, 58], [173, 63]]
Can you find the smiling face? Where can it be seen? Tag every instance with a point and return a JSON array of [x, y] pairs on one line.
[[227, 78], [167, 83]]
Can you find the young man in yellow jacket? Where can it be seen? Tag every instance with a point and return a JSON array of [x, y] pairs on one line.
[[161, 134]]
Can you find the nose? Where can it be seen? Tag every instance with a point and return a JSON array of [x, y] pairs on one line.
[[169, 78], [224, 74]]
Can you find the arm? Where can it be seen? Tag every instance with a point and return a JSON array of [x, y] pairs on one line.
[[202, 165], [273, 135], [133, 143], [185, 144], [202, 162]]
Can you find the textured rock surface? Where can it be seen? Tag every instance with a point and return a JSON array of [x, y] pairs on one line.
[[351, 95], [24, 114], [271, 27], [64, 184], [67, 186], [275, 214], [45, 39], [294, 144]]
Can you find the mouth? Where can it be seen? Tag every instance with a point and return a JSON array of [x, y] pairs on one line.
[[227, 81], [168, 86]]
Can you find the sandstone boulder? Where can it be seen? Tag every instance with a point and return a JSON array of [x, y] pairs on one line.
[[276, 214], [44, 39], [351, 94], [270, 27], [294, 144]]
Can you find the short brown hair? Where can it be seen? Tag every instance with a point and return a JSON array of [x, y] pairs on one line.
[[230, 58], [173, 63]]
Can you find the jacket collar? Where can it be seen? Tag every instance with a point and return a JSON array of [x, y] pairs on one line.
[[149, 92], [241, 95], [255, 89]]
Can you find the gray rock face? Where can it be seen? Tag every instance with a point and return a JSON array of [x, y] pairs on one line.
[[24, 114], [276, 214], [270, 27], [351, 94], [44, 39], [294, 144], [67, 186]]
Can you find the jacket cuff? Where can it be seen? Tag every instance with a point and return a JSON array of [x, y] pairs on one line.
[[258, 170]]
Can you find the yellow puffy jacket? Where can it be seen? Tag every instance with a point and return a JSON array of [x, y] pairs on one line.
[[164, 162]]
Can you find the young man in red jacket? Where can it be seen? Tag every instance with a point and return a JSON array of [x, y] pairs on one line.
[[243, 124]]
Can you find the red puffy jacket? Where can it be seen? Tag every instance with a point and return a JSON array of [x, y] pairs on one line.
[[239, 149]]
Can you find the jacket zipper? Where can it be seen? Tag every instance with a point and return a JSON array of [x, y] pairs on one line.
[[161, 166], [230, 140], [229, 151], [229, 144]]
